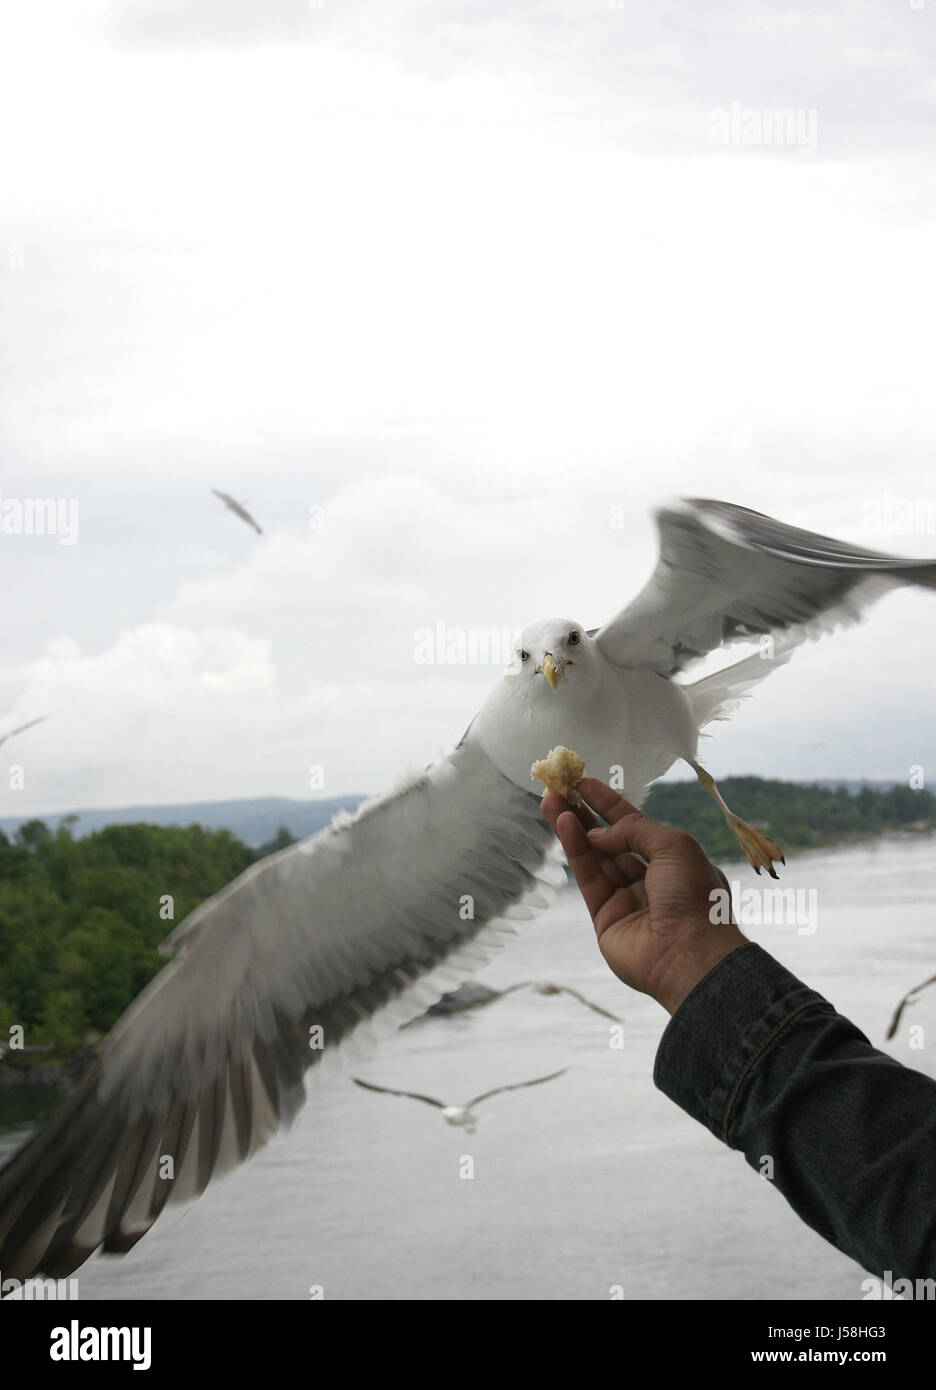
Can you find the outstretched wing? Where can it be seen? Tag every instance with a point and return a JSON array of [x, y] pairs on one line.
[[22, 728], [728, 574], [595, 1008], [909, 998], [354, 930], [546, 987], [389, 1091], [517, 1086], [238, 509]]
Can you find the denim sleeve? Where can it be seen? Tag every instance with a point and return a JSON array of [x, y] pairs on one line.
[[770, 1068]]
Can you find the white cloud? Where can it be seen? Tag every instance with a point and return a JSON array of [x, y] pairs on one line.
[[169, 714], [466, 279], [305, 654]]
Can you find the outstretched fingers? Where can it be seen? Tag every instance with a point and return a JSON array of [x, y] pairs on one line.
[[598, 876]]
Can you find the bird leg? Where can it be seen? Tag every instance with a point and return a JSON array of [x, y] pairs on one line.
[[760, 851]]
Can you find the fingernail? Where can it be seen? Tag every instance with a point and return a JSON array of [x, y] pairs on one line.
[[598, 830]]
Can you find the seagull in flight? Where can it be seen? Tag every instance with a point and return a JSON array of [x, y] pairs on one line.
[[362, 926], [462, 1115], [238, 508], [475, 999], [13, 732], [911, 997]]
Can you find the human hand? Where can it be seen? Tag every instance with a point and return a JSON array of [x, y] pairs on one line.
[[652, 920]]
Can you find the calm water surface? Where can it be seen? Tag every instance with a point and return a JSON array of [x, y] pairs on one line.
[[588, 1182]]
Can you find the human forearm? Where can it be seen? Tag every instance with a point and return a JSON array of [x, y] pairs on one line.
[[771, 1069]]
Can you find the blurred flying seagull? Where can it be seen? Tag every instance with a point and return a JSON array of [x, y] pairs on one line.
[[361, 927], [238, 508], [459, 1114], [911, 997], [21, 729], [469, 997]]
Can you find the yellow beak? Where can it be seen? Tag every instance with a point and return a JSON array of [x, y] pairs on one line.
[[552, 670]]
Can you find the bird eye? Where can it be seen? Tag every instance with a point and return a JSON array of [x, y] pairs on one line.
[[524, 656], [574, 639]]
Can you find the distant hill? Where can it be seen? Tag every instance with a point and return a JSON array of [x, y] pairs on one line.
[[254, 821], [82, 903], [798, 814]]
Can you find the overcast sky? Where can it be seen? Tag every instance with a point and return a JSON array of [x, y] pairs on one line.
[[452, 297]]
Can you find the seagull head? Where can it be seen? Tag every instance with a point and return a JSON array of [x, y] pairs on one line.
[[550, 651]]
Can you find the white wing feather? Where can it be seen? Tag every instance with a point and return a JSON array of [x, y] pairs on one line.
[[355, 931]]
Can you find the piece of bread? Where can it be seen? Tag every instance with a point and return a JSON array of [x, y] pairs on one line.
[[561, 770]]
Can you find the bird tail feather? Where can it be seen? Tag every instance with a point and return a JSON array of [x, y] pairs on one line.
[[717, 696]]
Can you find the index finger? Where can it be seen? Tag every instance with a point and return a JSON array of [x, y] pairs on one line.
[[607, 803], [553, 805], [593, 883]]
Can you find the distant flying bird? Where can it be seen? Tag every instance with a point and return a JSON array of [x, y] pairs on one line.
[[471, 996], [462, 1115], [356, 930], [909, 998], [238, 508], [13, 732]]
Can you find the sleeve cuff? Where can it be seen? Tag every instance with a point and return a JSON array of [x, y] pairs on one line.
[[721, 1030]]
